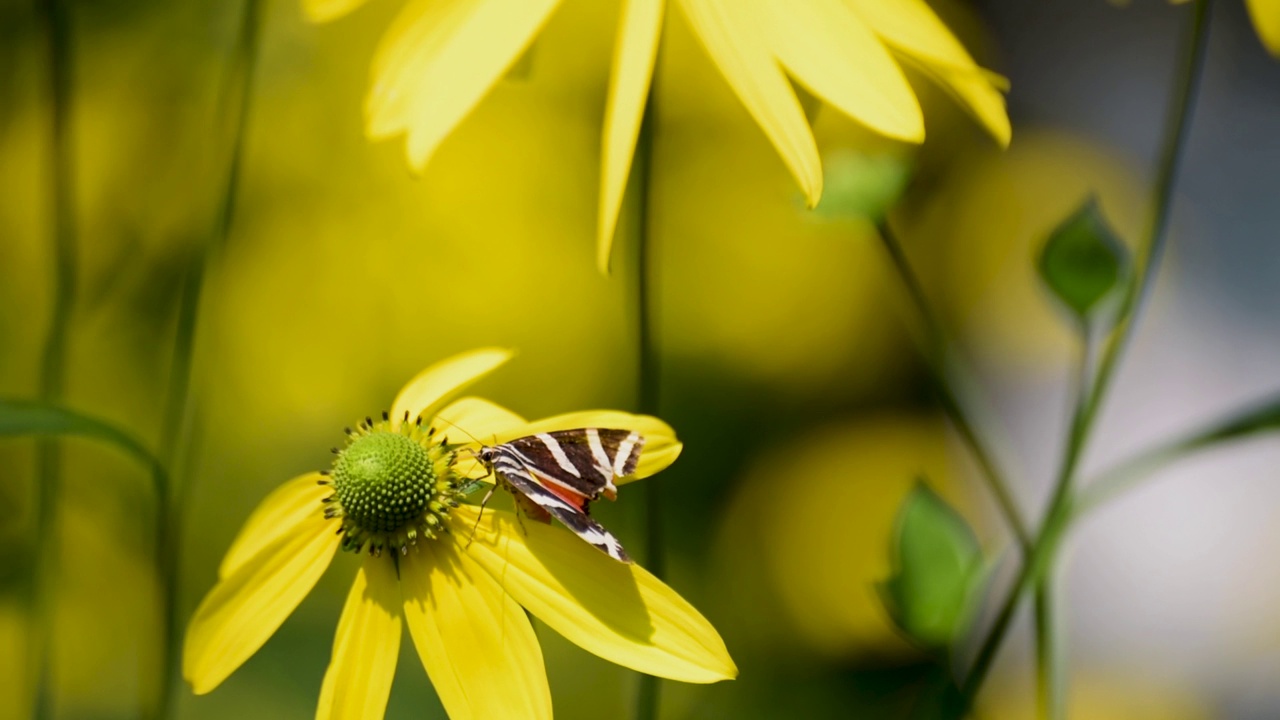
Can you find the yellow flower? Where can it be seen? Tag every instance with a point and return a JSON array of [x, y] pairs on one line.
[[394, 493], [440, 57]]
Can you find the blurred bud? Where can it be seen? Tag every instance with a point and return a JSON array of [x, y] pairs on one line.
[[861, 186], [938, 570], [1083, 261]]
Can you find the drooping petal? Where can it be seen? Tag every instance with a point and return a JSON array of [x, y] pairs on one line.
[[319, 11], [439, 58], [633, 59], [832, 52], [246, 607], [475, 642], [434, 386], [619, 612], [1266, 20], [911, 28], [357, 682], [729, 31], [276, 516], [661, 448]]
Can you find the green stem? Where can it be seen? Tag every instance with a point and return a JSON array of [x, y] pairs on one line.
[[649, 691], [57, 21], [237, 101], [935, 355], [1050, 670], [1059, 515]]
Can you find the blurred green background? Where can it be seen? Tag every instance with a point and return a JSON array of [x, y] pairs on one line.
[[787, 352]]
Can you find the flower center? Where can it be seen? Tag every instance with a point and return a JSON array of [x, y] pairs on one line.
[[391, 486]]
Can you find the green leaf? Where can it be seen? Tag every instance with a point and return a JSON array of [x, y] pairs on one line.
[[938, 570], [861, 186], [29, 417], [1083, 260], [1263, 418]]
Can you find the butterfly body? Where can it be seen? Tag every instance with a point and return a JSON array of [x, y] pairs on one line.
[[558, 474]]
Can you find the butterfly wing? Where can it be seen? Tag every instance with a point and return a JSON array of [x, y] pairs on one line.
[[582, 461], [568, 509]]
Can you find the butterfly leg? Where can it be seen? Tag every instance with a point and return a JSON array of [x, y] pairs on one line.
[[480, 515]]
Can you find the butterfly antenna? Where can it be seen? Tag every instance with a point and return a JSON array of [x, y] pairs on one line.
[[459, 427]]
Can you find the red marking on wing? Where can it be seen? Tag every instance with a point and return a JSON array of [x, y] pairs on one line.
[[577, 500]]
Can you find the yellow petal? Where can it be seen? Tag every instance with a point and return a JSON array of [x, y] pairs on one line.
[[358, 680], [911, 28], [633, 58], [832, 52], [437, 384], [439, 58], [278, 515], [1266, 20], [473, 419], [245, 608], [475, 642], [729, 30], [619, 612], [325, 10]]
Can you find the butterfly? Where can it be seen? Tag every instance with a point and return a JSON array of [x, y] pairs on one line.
[[557, 474]]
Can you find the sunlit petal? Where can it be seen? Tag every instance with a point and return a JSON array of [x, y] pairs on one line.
[[911, 28], [358, 680], [437, 384], [278, 515], [729, 30], [439, 58], [617, 611], [326, 10], [832, 52], [639, 29], [245, 608], [474, 640], [1266, 20]]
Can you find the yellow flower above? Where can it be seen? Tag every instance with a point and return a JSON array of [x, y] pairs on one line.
[[394, 494], [440, 57]]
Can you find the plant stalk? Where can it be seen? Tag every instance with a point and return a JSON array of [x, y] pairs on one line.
[[1059, 514], [55, 15], [236, 101], [649, 387]]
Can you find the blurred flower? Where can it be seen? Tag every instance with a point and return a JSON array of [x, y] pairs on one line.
[[438, 59], [394, 487], [815, 576]]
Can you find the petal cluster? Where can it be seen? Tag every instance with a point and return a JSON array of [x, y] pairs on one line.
[[439, 58], [463, 597]]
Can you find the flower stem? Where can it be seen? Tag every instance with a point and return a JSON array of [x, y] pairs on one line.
[[936, 356], [236, 101], [1058, 517], [56, 18], [648, 390]]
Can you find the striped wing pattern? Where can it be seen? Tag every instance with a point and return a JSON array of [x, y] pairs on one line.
[[583, 462], [558, 474]]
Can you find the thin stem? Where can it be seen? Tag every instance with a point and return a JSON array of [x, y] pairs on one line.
[[1049, 657], [1049, 666], [237, 100], [1178, 127], [935, 355], [649, 691], [55, 16], [1060, 512]]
